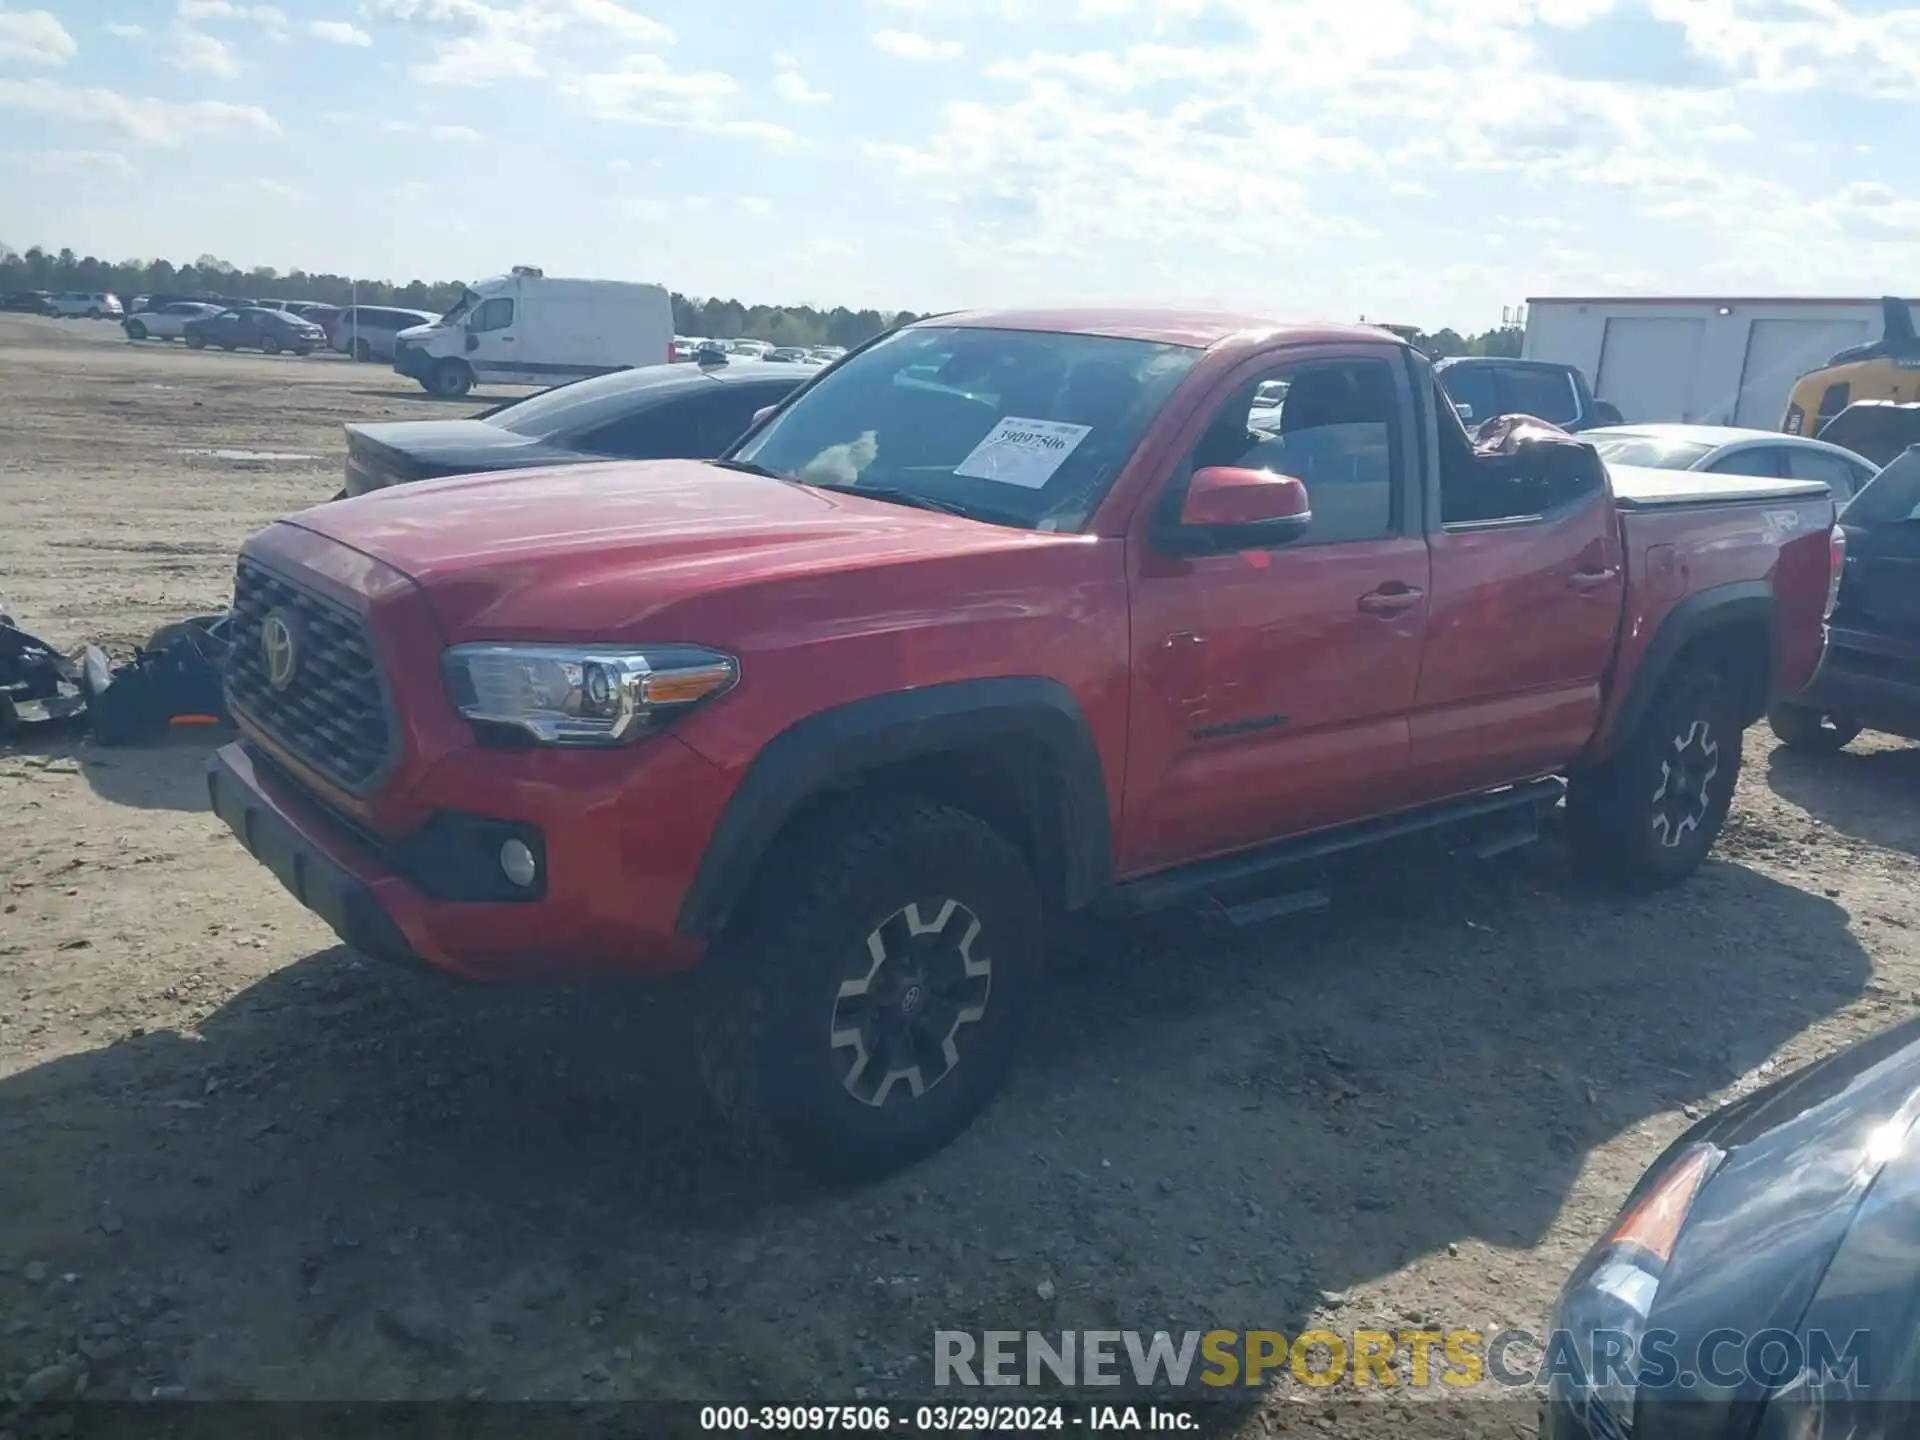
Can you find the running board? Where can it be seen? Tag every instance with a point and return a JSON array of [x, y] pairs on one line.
[[1263, 888]]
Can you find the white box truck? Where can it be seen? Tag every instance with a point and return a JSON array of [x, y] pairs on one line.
[[526, 328]]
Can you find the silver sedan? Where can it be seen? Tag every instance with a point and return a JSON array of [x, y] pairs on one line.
[[1724, 450]]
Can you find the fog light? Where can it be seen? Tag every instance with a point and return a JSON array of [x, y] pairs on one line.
[[517, 863]]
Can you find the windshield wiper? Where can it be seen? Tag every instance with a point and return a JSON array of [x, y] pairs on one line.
[[750, 467], [900, 497]]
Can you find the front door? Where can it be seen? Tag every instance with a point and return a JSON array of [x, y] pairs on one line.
[[493, 344], [1272, 687]]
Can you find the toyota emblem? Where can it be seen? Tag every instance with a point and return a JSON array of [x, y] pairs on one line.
[[280, 648]]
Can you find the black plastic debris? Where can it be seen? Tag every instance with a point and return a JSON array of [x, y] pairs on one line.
[[37, 682], [174, 679]]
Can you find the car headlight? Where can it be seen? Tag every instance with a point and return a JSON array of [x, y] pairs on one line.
[[1604, 1308], [583, 695]]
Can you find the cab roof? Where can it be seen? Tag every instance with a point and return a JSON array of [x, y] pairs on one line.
[[1197, 329]]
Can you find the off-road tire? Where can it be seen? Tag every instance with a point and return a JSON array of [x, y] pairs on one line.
[[136, 331], [1801, 728], [773, 997], [1634, 820]]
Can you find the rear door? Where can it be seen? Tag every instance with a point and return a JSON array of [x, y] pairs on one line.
[[1881, 588], [1525, 608], [1839, 474]]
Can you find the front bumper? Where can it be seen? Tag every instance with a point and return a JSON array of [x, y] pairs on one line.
[[1870, 679], [409, 361]]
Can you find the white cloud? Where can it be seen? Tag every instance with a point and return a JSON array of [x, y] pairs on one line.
[[620, 166], [196, 50], [460, 134], [627, 24], [73, 162], [645, 91], [764, 132], [910, 45], [338, 32], [140, 120], [270, 18], [480, 60], [791, 86], [34, 36], [125, 30], [753, 205]]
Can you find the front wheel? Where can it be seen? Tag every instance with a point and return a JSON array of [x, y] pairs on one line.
[[450, 379], [94, 314], [1800, 728], [868, 1009], [196, 342], [1646, 817], [362, 351], [270, 346], [136, 331]]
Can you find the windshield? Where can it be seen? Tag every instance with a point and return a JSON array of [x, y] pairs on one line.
[[581, 405], [1016, 427], [1650, 450], [1892, 495], [468, 299]]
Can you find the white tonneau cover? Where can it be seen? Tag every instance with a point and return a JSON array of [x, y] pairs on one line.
[[1636, 487]]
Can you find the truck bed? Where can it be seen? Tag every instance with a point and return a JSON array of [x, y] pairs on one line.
[[1638, 488]]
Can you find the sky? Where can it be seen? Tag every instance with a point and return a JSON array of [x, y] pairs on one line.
[[1410, 161]]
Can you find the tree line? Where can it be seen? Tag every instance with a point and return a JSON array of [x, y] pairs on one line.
[[212, 278]]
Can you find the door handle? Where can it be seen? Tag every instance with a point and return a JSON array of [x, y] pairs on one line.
[[1393, 598], [1589, 580]]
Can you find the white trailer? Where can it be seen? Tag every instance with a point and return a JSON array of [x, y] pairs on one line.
[[1728, 360]]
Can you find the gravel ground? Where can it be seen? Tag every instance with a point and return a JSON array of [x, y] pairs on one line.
[[237, 1160]]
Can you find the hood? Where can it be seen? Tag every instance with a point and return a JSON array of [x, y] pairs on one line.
[[593, 551], [417, 332], [1802, 1155], [454, 447]]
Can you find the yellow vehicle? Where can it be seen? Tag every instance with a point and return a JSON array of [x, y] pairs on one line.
[[1884, 369]]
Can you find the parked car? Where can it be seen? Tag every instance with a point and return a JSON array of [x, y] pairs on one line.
[[529, 328], [845, 715], [660, 412], [270, 331], [318, 311], [366, 331], [1870, 678], [167, 322], [92, 304], [1759, 1280], [29, 302], [790, 355], [1723, 450], [1483, 386]]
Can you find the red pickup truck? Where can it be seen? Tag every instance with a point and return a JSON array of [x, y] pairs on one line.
[[1000, 617]]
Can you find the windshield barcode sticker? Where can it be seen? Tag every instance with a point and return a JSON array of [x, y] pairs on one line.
[[1023, 452]]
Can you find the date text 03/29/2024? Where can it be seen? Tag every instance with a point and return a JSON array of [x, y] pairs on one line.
[[947, 1419]]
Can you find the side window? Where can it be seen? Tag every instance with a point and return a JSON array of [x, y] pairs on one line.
[[1332, 428], [1471, 386], [494, 314], [674, 429], [1547, 394], [733, 412], [1832, 401], [1762, 461], [1836, 472]]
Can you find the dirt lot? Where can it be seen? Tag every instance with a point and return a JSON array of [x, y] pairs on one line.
[[236, 1160]]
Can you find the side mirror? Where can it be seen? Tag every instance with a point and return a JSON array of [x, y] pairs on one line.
[[763, 412], [1230, 508], [473, 341]]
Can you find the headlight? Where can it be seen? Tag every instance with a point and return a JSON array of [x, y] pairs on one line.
[[1604, 1309], [583, 694]]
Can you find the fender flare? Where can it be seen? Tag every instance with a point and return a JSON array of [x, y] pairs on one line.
[[1742, 602], [834, 747]]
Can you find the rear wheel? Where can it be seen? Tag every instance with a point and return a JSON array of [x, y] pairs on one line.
[[1647, 816], [270, 345], [362, 351], [450, 379], [870, 1005], [1801, 728]]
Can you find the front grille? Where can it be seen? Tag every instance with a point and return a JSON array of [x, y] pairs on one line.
[[331, 715]]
